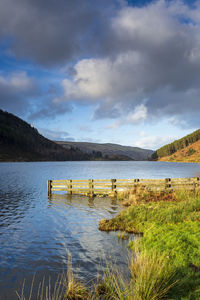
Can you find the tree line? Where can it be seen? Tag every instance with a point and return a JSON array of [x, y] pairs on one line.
[[177, 145]]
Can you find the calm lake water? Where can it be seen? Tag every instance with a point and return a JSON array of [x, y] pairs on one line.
[[36, 234]]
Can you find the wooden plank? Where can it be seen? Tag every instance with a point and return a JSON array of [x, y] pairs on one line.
[[102, 183], [99, 180], [182, 184], [80, 180], [128, 180], [59, 181], [182, 179], [59, 190], [78, 184], [151, 181], [127, 184]]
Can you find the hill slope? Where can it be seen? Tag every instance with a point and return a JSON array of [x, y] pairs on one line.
[[110, 151], [190, 153], [186, 149], [21, 142]]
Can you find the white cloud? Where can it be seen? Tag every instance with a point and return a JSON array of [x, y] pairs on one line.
[[96, 79], [139, 114], [154, 142], [17, 81], [154, 55]]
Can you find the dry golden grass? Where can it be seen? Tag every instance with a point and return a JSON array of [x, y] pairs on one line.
[[140, 195], [190, 153]]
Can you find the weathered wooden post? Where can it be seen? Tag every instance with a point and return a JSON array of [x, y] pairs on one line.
[[113, 187], [168, 183], [196, 184], [69, 187], [136, 184], [49, 184], [91, 187]]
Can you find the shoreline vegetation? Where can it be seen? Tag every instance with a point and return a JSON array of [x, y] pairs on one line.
[[169, 225], [166, 252]]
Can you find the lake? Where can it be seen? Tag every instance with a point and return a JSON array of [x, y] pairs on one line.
[[37, 233]]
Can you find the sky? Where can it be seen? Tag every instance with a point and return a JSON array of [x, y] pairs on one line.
[[106, 71]]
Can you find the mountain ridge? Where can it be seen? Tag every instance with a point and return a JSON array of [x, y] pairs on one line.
[[19, 141], [134, 153]]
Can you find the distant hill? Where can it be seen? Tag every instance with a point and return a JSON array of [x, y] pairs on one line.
[[111, 151], [21, 142], [186, 149]]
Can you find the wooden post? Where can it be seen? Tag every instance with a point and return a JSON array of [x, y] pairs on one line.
[[196, 184], [113, 187], [168, 183], [69, 187], [136, 184], [91, 187], [49, 187]]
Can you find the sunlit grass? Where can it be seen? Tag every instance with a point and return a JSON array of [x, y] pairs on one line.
[[172, 228], [148, 277]]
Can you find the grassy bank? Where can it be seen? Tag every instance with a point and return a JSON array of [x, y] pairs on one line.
[[170, 228], [166, 257]]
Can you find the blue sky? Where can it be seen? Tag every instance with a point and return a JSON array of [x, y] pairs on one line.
[[116, 71]]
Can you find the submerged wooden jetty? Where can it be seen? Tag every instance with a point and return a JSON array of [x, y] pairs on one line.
[[95, 187]]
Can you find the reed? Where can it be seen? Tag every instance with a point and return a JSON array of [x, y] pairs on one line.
[[152, 276], [148, 278]]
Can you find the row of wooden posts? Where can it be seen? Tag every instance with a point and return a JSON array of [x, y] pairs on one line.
[[93, 187]]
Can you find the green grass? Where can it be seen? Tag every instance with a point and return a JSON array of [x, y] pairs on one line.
[[148, 278], [171, 229]]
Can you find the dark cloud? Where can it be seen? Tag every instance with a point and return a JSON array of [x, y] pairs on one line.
[[22, 95], [51, 32], [152, 58], [129, 60], [17, 90], [49, 110]]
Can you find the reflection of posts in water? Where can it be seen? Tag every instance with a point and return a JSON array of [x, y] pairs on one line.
[[60, 199], [55, 198], [113, 200], [69, 197], [91, 202]]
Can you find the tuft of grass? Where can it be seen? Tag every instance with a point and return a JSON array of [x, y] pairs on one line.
[[65, 288], [149, 277], [122, 235], [139, 195], [152, 276], [44, 291], [74, 289], [113, 286]]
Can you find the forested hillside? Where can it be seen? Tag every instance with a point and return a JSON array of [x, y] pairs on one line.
[[21, 142], [110, 151], [177, 145]]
